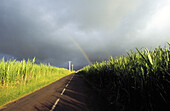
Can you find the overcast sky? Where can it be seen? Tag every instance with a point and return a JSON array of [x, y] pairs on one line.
[[56, 31]]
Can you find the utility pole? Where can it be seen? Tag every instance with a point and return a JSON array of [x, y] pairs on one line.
[[69, 65], [72, 66], [49, 64]]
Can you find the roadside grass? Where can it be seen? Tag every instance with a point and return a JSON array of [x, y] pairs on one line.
[[13, 93], [15, 88]]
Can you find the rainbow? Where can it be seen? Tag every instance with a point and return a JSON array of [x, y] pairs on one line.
[[81, 49]]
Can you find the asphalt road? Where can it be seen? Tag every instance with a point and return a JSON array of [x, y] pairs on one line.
[[70, 93]]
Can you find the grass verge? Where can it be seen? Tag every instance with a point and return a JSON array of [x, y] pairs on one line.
[[12, 93]]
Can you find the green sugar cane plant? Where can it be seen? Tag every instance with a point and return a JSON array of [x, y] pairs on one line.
[[18, 78], [14, 71], [139, 81]]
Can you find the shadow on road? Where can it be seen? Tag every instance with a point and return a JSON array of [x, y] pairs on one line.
[[79, 96]]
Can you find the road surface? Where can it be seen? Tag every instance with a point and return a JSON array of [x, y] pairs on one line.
[[70, 93]]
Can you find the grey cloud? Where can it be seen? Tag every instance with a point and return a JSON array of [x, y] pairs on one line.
[[58, 30]]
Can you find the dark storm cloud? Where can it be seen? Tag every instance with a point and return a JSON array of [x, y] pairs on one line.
[[57, 30], [26, 33]]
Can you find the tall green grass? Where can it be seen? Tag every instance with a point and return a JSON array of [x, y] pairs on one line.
[[137, 82], [18, 78]]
